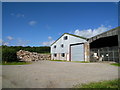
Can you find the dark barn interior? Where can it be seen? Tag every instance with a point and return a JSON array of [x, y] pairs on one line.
[[105, 42], [105, 47]]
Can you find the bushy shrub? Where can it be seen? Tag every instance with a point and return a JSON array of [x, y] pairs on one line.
[[9, 55]]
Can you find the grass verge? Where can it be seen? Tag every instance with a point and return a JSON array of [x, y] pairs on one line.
[[60, 60], [101, 84], [71, 61], [15, 63], [81, 61], [115, 64]]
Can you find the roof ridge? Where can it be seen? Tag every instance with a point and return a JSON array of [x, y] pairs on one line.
[[76, 35], [71, 35]]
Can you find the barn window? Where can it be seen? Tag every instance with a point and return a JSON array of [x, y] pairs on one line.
[[65, 37], [62, 45], [55, 46], [55, 55], [63, 54]]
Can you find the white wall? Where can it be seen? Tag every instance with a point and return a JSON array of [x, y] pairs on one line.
[[65, 49]]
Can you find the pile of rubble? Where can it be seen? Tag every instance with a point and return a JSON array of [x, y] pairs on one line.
[[23, 55]]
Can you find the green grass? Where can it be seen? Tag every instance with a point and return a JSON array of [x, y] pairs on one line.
[[15, 63], [81, 61], [101, 84], [116, 64], [71, 61], [60, 60]]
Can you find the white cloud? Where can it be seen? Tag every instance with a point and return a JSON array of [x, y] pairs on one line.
[[91, 32], [9, 38], [32, 23], [50, 38], [18, 15], [48, 43], [21, 42], [4, 43]]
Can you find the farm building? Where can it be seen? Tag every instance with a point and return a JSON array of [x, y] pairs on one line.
[[106, 45], [102, 47], [69, 47]]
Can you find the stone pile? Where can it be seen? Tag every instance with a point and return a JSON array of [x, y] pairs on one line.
[[23, 55]]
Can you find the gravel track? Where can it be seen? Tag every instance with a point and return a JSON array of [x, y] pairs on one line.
[[53, 74]]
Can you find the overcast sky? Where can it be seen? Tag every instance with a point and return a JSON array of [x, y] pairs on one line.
[[41, 23]]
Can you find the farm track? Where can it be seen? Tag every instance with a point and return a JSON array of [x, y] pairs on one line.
[[53, 74]]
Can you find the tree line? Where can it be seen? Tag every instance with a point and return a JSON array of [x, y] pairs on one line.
[[9, 52]]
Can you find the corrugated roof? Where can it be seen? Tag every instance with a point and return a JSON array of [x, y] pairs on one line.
[[117, 28], [71, 35]]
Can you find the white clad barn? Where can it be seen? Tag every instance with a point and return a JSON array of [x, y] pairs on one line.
[[70, 47]]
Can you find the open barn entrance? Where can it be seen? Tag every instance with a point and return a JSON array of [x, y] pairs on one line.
[[105, 49]]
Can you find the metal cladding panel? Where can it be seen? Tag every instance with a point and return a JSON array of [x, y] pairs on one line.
[[77, 52], [119, 43]]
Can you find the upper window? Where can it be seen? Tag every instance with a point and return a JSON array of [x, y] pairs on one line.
[[62, 45], [63, 54], [65, 37], [55, 46]]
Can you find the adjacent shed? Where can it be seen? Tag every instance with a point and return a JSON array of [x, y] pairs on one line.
[[106, 46]]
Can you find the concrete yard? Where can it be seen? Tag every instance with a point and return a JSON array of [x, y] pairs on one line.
[[53, 74]]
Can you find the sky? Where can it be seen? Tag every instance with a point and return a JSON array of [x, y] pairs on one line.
[[41, 23]]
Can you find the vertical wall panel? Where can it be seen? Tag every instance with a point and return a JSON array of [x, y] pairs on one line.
[[77, 52], [119, 42]]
